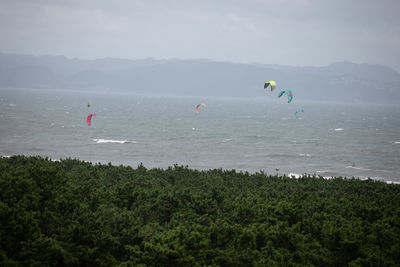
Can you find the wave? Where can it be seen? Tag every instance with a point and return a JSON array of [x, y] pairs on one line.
[[362, 178], [280, 156], [255, 136], [365, 169], [358, 168], [102, 141], [243, 117], [392, 182], [283, 155], [339, 129], [380, 179], [297, 176], [397, 142], [294, 175], [323, 171]]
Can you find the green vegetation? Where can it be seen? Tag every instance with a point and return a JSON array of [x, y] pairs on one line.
[[75, 213]]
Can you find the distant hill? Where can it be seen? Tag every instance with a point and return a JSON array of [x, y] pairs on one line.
[[338, 82]]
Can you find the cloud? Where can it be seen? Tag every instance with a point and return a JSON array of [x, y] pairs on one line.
[[295, 32]]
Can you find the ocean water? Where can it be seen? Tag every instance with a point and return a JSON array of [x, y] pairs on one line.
[[242, 134]]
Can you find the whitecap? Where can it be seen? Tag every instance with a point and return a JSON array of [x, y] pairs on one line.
[[226, 140], [392, 182], [366, 169], [323, 171], [12, 105], [397, 142], [358, 168], [244, 117], [102, 141], [294, 175], [339, 129], [304, 155]]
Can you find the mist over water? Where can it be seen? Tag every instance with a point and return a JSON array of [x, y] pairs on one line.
[[248, 135]]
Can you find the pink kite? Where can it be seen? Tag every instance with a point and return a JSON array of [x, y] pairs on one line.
[[199, 105], [89, 119]]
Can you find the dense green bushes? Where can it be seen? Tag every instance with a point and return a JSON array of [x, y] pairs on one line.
[[78, 214]]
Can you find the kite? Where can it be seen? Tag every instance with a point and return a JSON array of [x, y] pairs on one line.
[[272, 84], [89, 119], [301, 110], [199, 105], [289, 94]]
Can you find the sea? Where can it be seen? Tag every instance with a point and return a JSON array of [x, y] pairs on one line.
[[250, 135]]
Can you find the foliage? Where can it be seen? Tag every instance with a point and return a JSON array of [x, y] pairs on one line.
[[76, 213]]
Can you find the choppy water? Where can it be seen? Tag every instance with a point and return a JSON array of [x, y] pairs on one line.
[[250, 135]]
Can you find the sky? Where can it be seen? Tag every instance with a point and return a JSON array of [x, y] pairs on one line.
[[284, 32]]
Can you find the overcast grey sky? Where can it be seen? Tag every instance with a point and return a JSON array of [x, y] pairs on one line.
[[286, 32]]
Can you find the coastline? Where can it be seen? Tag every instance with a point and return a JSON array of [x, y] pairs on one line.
[[292, 175]]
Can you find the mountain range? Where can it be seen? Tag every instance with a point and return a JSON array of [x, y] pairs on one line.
[[338, 82]]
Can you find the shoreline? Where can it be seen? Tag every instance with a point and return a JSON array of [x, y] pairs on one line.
[[289, 175]]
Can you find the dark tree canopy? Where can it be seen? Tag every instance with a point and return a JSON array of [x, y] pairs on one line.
[[75, 213]]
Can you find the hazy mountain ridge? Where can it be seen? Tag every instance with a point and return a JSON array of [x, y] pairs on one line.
[[341, 81]]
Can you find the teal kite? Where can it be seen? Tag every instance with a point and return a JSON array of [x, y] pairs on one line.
[[289, 94], [301, 110]]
